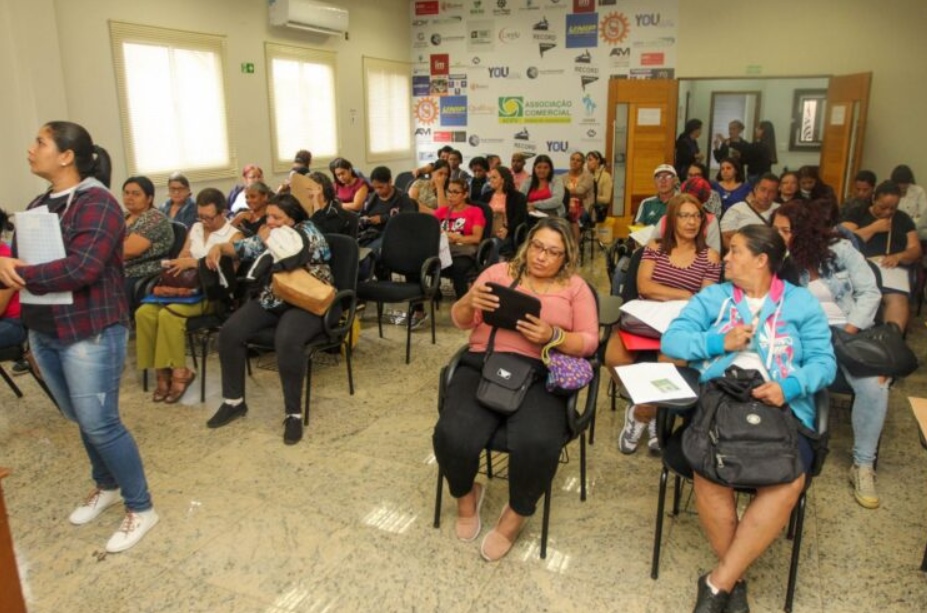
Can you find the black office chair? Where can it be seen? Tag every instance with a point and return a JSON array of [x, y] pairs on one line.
[[337, 322], [404, 180], [674, 461], [409, 248], [16, 353]]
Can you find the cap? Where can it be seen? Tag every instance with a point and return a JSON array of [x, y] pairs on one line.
[[664, 168]]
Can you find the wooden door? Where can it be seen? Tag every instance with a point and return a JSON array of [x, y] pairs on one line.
[[642, 118], [842, 148]]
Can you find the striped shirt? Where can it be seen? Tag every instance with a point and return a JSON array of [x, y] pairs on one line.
[[689, 278]]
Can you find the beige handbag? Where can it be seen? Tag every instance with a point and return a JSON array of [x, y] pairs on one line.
[[299, 288]]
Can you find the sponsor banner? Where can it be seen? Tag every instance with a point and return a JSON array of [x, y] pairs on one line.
[[457, 84], [614, 28], [508, 35], [422, 135], [654, 20], [515, 109], [652, 58], [454, 111], [421, 86], [475, 140], [589, 108], [440, 64], [481, 109], [502, 72], [502, 8], [450, 7], [426, 111], [438, 86], [426, 8], [450, 136], [653, 73], [582, 30], [481, 36], [583, 6]]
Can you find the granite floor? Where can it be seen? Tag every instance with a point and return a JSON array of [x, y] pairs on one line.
[[343, 521]]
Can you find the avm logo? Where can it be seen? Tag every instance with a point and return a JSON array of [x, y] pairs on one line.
[[558, 146], [498, 72]]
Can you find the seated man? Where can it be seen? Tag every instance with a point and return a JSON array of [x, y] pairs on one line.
[[384, 202], [863, 186], [757, 208], [653, 208], [479, 182]]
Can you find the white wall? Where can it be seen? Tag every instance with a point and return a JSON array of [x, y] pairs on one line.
[[81, 81]]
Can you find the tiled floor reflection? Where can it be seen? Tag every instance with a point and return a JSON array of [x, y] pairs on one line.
[[343, 521]]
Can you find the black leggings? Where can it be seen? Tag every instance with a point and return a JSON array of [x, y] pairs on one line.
[[535, 434], [292, 330]]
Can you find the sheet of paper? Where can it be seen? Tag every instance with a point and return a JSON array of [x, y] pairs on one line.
[[893, 278], [38, 240], [642, 236], [654, 382], [538, 214], [657, 315], [649, 116]]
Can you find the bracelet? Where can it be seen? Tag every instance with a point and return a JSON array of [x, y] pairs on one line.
[[555, 334]]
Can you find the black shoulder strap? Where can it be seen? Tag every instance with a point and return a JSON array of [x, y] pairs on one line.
[[763, 220]]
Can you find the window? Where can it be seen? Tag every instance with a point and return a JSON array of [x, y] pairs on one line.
[[807, 119], [301, 83], [172, 102], [388, 92]]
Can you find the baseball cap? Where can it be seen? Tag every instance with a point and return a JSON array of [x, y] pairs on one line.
[[664, 168]]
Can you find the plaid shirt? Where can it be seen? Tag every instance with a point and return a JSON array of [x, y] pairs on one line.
[[93, 229]]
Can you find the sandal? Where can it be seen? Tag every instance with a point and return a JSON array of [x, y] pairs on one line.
[[164, 385], [179, 385]]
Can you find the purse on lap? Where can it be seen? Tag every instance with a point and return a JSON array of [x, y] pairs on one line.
[[301, 289]]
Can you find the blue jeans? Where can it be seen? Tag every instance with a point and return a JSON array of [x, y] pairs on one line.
[[869, 409], [11, 332], [84, 378]]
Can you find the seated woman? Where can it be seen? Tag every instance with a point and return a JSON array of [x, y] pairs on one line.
[[544, 189], [350, 189], [237, 199], [713, 203], [731, 184], [889, 237], [463, 225], [811, 187], [149, 236], [672, 268], [250, 220], [428, 191], [509, 209], [701, 190], [293, 327], [842, 281], [160, 329], [913, 198], [545, 267], [179, 206], [788, 187], [603, 186], [12, 331], [328, 213], [756, 321]]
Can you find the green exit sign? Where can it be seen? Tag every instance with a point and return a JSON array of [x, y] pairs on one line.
[[247, 68]]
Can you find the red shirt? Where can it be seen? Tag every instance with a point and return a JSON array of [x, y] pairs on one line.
[[12, 308]]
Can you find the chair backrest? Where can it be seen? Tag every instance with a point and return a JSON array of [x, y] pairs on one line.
[[344, 260], [629, 291], [487, 217], [403, 180], [408, 240], [180, 237]]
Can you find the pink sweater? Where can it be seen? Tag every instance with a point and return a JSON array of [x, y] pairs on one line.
[[572, 308]]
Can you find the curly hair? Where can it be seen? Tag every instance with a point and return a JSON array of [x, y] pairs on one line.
[[812, 235], [518, 264]]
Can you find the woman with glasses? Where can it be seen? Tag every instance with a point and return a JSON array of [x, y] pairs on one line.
[[160, 329], [675, 267], [179, 206], [545, 268], [463, 225]]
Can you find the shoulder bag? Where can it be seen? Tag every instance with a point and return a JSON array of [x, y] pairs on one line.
[[875, 352], [300, 288], [566, 374], [738, 441]]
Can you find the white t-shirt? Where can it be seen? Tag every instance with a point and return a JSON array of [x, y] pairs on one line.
[[819, 290], [199, 247], [741, 215], [749, 358]]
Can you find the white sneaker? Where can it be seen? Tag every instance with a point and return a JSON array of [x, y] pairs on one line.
[[863, 480], [133, 528], [653, 443], [631, 433], [96, 502]]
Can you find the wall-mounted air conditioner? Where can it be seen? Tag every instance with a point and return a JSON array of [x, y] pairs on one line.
[[308, 15]]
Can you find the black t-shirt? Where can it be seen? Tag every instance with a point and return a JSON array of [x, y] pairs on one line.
[[876, 246], [41, 317]]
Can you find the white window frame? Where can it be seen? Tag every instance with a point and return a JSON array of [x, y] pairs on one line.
[[391, 117], [121, 33], [307, 135]]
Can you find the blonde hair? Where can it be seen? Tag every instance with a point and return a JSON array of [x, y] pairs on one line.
[[570, 253]]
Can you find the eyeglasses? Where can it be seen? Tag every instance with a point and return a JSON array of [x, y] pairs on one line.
[[551, 251], [205, 219], [665, 177], [689, 216]]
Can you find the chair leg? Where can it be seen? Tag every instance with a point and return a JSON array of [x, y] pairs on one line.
[[796, 552], [677, 494], [924, 562], [488, 464], [658, 532], [205, 347], [592, 431], [380, 318], [545, 523], [145, 380], [9, 381], [192, 342], [612, 392], [582, 466], [432, 308], [347, 359], [409, 332], [308, 390], [440, 491], [248, 364]]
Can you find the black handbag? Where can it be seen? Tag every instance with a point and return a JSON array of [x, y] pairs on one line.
[[630, 323], [875, 352], [738, 441], [505, 377]]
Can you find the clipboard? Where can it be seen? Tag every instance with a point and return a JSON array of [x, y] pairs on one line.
[[513, 305]]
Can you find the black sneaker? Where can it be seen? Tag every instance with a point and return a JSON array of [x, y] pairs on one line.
[[737, 603], [20, 368], [292, 429], [227, 414], [708, 602]]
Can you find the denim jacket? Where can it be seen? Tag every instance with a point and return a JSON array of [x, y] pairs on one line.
[[853, 284]]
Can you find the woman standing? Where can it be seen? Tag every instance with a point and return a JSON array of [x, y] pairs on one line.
[[840, 278], [602, 182], [179, 206], [581, 187], [687, 149], [545, 267], [149, 236], [509, 209], [730, 184], [761, 155], [544, 190], [80, 347]]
